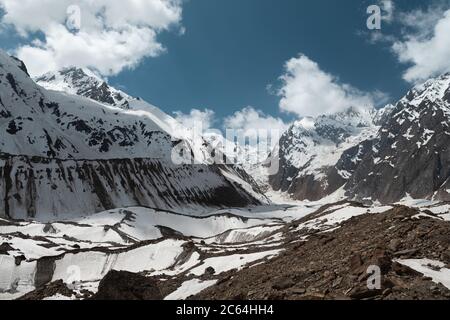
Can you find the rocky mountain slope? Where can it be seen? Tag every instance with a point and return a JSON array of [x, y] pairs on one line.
[[384, 155], [411, 252], [61, 154], [310, 153], [84, 83], [410, 155]]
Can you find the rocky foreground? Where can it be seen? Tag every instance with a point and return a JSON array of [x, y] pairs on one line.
[[325, 255], [334, 265]]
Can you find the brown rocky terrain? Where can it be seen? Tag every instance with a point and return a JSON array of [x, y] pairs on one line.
[[334, 265], [319, 260]]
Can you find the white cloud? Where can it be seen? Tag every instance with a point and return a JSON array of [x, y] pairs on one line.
[[421, 22], [308, 91], [377, 36], [201, 120], [426, 44], [252, 122], [112, 35]]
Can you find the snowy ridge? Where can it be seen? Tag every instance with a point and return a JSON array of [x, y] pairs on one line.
[[68, 146], [253, 159], [379, 155], [432, 90], [311, 149], [410, 154], [320, 142], [37, 122], [83, 82]]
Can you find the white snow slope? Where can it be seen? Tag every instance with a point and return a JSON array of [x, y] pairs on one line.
[[63, 154]]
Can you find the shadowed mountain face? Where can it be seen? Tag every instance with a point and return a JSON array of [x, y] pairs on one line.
[[399, 151], [410, 155], [62, 153]]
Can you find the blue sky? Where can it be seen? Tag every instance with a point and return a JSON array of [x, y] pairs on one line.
[[232, 50]]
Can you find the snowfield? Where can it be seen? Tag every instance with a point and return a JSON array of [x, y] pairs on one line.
[[428, 268], [164, 244], [190, 288], [133, 239]]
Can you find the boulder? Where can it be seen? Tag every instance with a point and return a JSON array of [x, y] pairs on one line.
[[122, 285]]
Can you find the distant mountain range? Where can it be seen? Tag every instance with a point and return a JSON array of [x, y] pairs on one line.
[[91, 147]]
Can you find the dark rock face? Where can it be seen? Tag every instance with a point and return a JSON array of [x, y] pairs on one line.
[[4, 248], [21, 65], [40, 185], [121, 285], [101, 94], [410, 156], [210, 271], [44, 271], [49, 290]]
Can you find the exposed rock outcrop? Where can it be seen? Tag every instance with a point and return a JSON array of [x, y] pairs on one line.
[[122, 285]]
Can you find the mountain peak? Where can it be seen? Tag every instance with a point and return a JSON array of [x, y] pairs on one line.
[[84, 82], [433, 89]]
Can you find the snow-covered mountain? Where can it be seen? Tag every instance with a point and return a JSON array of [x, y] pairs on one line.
[[310, 151], [399, 151], [252, 158], [85, 83], [62, 153], [410, 155]]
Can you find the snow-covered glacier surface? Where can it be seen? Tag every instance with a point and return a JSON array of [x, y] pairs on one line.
[[168, 245]]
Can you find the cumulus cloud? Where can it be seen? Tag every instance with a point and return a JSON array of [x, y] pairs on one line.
[[201, 120], [425, 45], [105, 35], [309, 91], [422, 43], [252, 123]]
